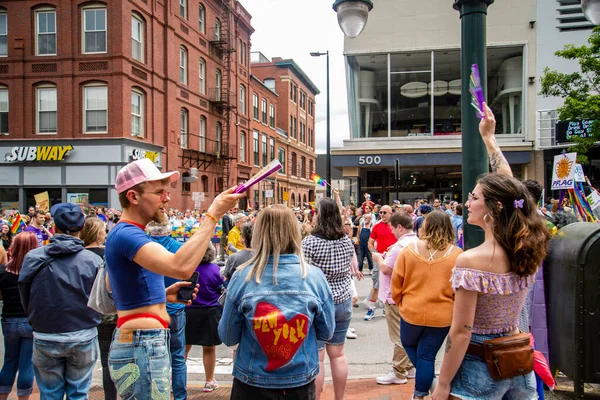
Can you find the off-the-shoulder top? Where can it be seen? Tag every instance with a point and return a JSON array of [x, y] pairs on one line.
[[501, 297]]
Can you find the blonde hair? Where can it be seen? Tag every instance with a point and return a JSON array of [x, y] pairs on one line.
[[437, 230], [91, 230], [276, 232]]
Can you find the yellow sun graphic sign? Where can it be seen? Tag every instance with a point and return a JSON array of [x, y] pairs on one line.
[[563, 168]]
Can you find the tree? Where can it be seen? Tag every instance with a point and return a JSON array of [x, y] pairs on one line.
[[580, 90]]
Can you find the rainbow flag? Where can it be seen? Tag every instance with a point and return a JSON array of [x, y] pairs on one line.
[[317, 179], [17, 224]]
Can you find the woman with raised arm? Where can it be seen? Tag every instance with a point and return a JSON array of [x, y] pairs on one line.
[[490, 283]]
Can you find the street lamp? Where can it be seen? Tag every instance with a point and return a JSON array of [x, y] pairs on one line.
[[328, 155], [352, 15], [591, 10], [473, 51]]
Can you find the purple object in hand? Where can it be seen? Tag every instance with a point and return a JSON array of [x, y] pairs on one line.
[[476, 91], [272, 167]]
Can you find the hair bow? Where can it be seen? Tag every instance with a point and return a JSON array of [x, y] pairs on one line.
[[519, 203]]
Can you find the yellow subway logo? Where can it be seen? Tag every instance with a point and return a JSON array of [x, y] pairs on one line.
[[38, 153]]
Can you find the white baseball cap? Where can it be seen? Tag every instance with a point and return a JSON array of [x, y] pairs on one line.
[[140, 171]]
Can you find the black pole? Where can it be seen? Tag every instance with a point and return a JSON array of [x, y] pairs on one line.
[[328, 134], [473, 15]]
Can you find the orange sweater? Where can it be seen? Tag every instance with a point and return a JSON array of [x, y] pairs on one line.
[[422, 289]]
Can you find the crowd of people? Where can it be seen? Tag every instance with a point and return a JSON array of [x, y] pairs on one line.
[[277, 285]]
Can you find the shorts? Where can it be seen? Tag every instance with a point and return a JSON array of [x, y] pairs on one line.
[[474, 382], [343, 316], [353, 289], [375, 275], [202, 324]]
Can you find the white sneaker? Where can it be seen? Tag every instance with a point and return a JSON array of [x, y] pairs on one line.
[[411, 373], [391, 379], [352, 330], [351, 335]]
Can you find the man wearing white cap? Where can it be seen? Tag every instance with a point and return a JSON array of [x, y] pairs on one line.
[[139, 358]]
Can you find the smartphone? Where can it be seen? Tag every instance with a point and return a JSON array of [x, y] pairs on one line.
[[187, 292]]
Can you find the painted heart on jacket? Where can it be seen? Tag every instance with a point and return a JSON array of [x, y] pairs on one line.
[[279, 338]]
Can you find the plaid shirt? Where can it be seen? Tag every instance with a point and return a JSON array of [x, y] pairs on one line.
[[333, 257]]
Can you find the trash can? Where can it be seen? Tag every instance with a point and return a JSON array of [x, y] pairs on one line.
[[572, 288]]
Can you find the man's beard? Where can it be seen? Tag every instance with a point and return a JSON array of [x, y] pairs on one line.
[[160, 217]]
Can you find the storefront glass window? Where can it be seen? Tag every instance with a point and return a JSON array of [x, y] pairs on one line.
[[9, 198]]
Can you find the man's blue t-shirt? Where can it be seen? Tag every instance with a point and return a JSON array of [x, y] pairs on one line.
[[132, 285], [172, 246]]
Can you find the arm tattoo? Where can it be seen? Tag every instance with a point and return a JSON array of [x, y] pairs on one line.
[[448, 344], [497, 160], [468, 327]]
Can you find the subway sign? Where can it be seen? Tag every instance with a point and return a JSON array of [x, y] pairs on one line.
[[38, 153], [138, 154]]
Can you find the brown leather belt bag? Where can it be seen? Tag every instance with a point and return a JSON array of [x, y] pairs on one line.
[[506, 356]]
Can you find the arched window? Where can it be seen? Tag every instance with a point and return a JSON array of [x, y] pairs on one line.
[[204, 181], [242, 99], [218, 79], [201, 18], [202, 133], [183, 57], [293, 202], [137, 37], [183, 129], [95, 105], [219, 130], [3, 110], [47, 108], [45, 32], [294, 165], [202, 75], [137, 113], [242, 147], [94, 29], [217, 29]]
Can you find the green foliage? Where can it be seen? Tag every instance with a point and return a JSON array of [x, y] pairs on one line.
[[579, 90]]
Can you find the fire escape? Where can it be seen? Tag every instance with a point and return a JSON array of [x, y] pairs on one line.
[[222, 99]]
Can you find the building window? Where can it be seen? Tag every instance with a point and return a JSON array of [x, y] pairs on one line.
[[46, 33], [3, 34], [302, 100], [204, 180], [46, 110], [183, 56], [291, 91], [282, 160], [95, 109], [294, 165], [201, 18], [243, 147], [255, 148], [137, 114], [255, 106], [264, 150], [310, 138], [94, 30], [217, 30], [291, 126], [245, 53], [183, 129], [272, 116], [264, 111], [302, 167], [311, 167], [218, 80], [202, 76], [310, 107], [219, 129], [137, 38], [183, 8], [271, 148], [202, 134], [3, 110], [242, 99], [302, 132]]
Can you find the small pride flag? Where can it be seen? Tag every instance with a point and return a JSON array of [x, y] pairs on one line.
[[317, 179], [17, 224]]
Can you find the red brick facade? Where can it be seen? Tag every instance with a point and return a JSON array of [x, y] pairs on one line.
[[155, 51]]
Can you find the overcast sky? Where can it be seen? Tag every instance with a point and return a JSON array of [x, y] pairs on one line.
[[294, 29]]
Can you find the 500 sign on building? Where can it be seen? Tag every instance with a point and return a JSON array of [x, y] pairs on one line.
[[38, 153], [369, 160]]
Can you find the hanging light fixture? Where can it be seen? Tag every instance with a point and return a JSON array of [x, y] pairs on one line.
[[352, 15], [591, 10]]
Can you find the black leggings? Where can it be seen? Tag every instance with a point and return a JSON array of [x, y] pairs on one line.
[[242, 391]]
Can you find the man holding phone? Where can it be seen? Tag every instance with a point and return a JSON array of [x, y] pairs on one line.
[[136, 267]]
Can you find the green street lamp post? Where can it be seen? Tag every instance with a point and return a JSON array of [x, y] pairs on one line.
[[352, 18]]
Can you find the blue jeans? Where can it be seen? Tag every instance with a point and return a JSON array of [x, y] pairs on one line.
[[140, 363], [177, 347], [363, 251], [64, 368], [18, 347], [422, 344], [474, 382]]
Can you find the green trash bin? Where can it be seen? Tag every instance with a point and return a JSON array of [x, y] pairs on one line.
[[572, 288]]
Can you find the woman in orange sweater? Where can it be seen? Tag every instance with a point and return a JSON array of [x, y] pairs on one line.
[[421, 289]]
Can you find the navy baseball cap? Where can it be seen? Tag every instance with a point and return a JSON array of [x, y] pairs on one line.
[[68, 217]]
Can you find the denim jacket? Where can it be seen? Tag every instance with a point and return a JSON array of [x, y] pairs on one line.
[[277, 325]]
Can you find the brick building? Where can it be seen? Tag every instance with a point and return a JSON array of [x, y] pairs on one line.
[[86, 87], [295, 122]]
